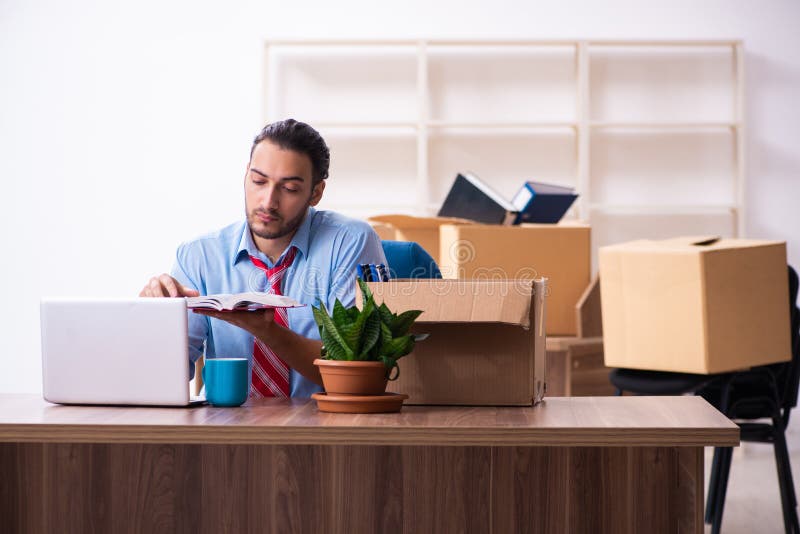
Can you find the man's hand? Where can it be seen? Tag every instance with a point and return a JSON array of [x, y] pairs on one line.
[[297, 351], [257, 322], [166, 286]]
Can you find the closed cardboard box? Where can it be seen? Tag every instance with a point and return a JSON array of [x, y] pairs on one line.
[[422, 230], [559, 252], [695, 305], [486, 343]]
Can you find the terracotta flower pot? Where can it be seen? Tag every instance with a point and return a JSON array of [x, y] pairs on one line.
[[352, 377]]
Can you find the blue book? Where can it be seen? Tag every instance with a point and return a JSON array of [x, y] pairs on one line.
[[542, 203]]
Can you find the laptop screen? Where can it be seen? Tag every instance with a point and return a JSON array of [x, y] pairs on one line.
[[115, 351]]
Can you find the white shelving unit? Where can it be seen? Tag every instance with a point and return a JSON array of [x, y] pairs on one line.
[[650, 133]]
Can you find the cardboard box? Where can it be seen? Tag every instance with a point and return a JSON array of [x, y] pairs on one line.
[[422, 230], [486, 345], [575, 365], [559, 252], [575, 368], [384, 231], [695, 305]]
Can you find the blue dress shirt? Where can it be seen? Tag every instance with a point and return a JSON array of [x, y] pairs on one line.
[[329, 246]]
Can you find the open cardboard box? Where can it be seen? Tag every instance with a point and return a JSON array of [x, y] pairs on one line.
[[384, 231], [695, 304], [465, 249], [486, 345], [422, 230], [559, 252]]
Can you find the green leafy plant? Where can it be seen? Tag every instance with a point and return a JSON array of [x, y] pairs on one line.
[[372, 333]]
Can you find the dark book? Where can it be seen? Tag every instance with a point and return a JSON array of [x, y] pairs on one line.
[[542, 203], [471, 198]]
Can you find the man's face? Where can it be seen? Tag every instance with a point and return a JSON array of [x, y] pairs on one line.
[[278, 190]]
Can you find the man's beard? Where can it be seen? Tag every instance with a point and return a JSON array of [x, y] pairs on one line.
[[284, 229]]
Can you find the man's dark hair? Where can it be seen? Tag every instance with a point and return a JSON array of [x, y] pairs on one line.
[[299, 137]]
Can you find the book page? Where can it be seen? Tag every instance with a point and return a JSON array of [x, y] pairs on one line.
[[241, 301]]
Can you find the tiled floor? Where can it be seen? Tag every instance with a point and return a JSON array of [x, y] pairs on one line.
[[753, 502]]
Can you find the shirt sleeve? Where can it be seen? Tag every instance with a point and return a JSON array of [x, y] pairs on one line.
[[359, 245], [198, 324]]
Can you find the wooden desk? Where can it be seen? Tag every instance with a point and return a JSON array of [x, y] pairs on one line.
[[605, 464]]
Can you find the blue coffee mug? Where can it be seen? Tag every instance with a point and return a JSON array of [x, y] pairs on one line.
[[226, 381]]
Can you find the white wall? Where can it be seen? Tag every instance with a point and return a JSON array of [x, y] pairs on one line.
[[125, 129]]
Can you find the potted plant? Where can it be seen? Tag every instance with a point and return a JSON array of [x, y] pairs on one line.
[[361, 347]]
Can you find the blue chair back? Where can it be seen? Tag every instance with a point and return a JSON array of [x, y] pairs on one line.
[[409, 260]]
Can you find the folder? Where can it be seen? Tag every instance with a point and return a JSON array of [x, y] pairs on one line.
[[471, 198], [537, 202]]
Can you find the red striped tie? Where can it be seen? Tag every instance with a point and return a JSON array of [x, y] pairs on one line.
[[270, 376]]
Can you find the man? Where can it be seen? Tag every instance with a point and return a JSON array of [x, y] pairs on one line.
[[307, 254]]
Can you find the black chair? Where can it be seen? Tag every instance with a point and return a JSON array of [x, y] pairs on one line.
[[765, 392]]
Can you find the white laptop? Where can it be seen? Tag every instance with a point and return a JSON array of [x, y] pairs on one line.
[[115, 351]]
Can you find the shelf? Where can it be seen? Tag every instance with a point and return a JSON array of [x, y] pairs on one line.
[[503, 125], [621, 210], [641, 128], [663, 125], [664, 209], [342, 84], [506, 84], [398, 207], [362, 124], [503, 42], [662, 167], [503, 159], [666, 43], [536, 125], [361, 163], [686, 84]]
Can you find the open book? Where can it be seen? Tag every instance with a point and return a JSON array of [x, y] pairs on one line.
[[241, 301], [471, 198]]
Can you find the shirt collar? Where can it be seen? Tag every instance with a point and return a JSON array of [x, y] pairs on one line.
[[247, 246]]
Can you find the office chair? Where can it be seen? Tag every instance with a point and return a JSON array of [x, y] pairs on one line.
[[763, 392], [409, 260]]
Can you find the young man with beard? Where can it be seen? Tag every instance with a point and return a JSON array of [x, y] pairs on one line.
[[311, 255]]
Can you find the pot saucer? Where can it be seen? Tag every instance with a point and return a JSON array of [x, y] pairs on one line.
[[387, 402]]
